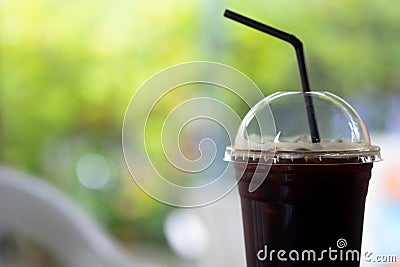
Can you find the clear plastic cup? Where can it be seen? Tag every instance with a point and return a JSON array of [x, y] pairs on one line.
[[302, 202]]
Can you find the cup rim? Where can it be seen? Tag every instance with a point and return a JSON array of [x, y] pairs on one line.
[[362, 155]]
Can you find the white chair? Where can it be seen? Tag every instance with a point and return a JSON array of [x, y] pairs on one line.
[[31, 206]]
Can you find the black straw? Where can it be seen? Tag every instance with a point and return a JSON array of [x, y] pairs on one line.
[[298, 46]]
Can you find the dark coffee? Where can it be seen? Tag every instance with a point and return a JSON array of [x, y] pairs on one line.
[[312, 212]]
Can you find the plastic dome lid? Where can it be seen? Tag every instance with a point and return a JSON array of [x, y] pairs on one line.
[[277, 127]]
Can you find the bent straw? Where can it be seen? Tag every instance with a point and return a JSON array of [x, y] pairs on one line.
[[298, 46]]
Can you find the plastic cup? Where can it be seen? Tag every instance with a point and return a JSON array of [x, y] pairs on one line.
[[302, 202]]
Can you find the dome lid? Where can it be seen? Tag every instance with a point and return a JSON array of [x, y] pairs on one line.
[[277, 127]]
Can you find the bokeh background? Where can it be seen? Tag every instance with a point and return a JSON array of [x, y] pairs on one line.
[[69, 68]]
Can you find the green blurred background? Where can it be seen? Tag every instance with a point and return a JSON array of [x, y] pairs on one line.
[[69, 68]]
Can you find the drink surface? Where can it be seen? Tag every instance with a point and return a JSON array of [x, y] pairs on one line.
[[303, 206]]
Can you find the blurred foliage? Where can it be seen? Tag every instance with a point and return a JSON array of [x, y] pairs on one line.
[[69, 68], [22, 251]]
